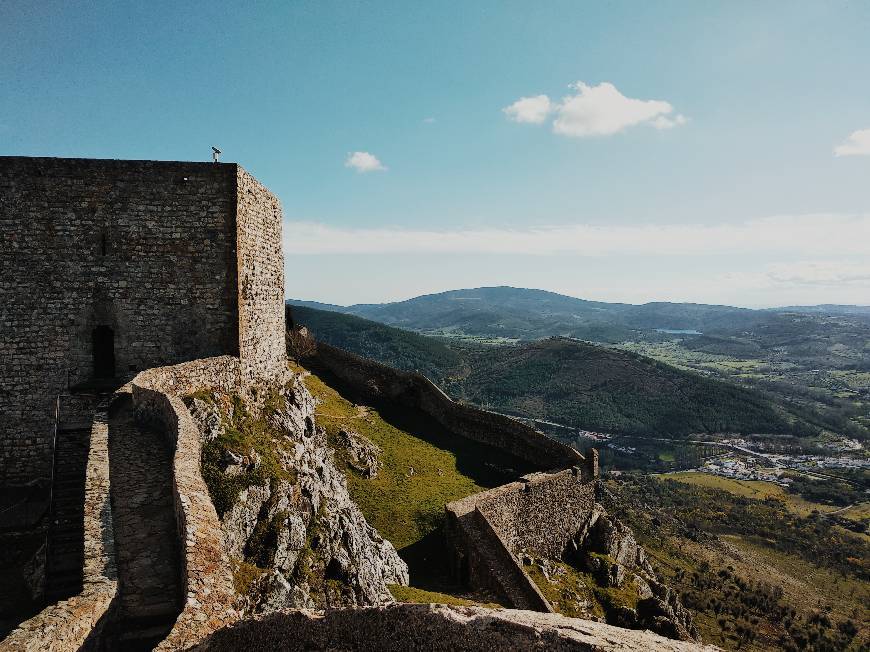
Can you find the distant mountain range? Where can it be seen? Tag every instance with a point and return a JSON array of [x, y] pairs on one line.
[[831, 333]]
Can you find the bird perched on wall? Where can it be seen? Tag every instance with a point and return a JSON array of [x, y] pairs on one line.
[[215, 154]]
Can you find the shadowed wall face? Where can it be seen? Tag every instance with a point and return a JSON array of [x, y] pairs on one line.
[[112, 267]]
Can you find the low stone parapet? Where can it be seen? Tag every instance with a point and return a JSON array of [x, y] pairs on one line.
[[209, 601], [377, 381], [538, 514]]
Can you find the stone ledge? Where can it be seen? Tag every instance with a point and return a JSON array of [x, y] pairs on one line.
[[401, 627]]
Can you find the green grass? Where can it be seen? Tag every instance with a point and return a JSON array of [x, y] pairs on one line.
[[408, 509], [413, 594], [570, 587]]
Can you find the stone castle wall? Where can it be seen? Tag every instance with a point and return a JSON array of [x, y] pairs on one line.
[[181, 261], [146, 248], [377, 382], [262, 347], [538, 515]]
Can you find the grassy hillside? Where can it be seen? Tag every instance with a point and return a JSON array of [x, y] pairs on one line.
[[393, 346], [423, 468]]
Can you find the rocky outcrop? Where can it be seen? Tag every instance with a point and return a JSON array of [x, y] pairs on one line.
[[362, 454], [295, 536], [606, 547], [434, 627]]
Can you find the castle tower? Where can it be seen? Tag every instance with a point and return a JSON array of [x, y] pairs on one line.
[[111, 267]]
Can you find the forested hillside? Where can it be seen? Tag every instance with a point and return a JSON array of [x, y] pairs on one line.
[[568, 381]]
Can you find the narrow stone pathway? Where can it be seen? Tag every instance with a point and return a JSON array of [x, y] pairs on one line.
[[146, 543]]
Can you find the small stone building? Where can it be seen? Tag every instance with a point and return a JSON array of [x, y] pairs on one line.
[[111, 267]]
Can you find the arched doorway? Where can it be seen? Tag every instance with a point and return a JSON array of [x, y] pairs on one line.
[[103, 341]]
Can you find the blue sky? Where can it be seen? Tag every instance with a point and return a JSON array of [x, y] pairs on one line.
[[683, 151]]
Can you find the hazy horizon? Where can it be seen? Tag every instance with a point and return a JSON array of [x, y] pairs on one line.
[[416, 296]]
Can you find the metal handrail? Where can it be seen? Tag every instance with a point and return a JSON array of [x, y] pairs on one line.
[[51, 481]]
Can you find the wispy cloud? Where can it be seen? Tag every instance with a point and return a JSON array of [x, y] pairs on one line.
[[363, 162], [857, 144], [803, 235], [826, 275], [430, 120], [594, 111]]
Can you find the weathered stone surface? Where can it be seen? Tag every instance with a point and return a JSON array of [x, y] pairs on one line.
[[607, 548], [209, 600], [319, 551], [146, 538], [434, 627], [180, 260], [362, 453]]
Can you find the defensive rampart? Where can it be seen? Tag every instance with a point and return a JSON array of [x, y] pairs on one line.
[[206, 572], [538, 515], [376, 381], [486, 532]]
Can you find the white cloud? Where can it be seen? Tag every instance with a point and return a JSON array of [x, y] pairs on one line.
[[594, 111], [857, 144], [816, 235], [363, 162], [529, 109], [428, 120]]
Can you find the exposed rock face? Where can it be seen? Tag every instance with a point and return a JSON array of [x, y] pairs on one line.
[[294, 533], [608, 549], [434, 627], [362, 453]]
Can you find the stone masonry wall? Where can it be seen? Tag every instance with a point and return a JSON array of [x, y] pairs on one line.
[[67, 625], [262, 347], [146, 248], [539, 514], [209, 594], [377, 381]]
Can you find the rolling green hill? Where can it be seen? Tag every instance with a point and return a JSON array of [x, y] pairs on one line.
[[567, 381]]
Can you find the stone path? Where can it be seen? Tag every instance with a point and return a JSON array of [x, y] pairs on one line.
[[145, 531]]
